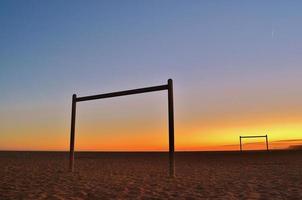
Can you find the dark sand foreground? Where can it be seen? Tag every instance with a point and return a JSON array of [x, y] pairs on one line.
[[229, 175]]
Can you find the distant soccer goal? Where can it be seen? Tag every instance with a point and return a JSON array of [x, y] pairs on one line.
[[168, 86], [255, 136]]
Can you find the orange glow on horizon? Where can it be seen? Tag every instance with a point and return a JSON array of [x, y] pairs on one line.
[[132, 132]]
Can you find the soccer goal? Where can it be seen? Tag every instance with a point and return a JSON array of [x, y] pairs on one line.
[[255, 136], [168, 86]]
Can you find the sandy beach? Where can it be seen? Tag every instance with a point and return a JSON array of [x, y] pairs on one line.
[[203, 175]]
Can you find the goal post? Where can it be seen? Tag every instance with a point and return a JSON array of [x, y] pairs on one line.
[[168, 86], [255, 136]]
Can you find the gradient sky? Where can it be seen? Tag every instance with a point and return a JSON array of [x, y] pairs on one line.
[[236, 67]]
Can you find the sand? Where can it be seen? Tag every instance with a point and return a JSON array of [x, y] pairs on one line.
[[220, 175]]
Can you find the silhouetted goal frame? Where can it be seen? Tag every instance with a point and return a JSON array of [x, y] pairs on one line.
[[254, 136], [168, 86]]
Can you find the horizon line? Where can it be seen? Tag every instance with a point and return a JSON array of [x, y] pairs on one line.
[[256, 150]]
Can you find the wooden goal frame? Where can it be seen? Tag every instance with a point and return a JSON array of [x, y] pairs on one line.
[[255, 136], [168, 86]]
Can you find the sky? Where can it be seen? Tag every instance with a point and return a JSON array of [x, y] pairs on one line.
[[236, 67]]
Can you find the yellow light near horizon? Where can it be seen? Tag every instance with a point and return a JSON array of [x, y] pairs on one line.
[[224, 138], [136, 133]]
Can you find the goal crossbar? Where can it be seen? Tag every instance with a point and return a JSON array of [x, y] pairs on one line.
[[123, 93], [257, 136], [168, 86]]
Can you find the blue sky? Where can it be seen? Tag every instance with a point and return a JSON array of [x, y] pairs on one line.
[[227, 58]]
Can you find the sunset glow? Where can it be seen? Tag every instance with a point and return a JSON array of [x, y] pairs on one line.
[[233, 75]]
